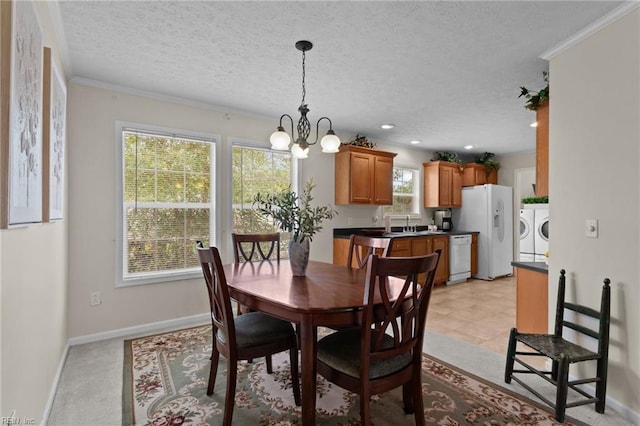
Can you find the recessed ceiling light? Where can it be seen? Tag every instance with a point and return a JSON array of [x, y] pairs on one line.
[[388, 126], [534, 124], [468, 147], [415, 142]]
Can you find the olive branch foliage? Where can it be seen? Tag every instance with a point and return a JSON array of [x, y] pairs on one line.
[[293, 213]]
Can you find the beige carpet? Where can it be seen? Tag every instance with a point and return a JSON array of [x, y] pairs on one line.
[[165, 378]]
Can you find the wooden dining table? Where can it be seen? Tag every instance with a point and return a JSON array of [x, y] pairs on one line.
[[329, 295]]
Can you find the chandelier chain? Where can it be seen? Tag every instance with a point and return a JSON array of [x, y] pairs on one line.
[[304, 89]]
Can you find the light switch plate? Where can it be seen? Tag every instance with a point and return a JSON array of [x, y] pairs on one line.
[[591, 228]]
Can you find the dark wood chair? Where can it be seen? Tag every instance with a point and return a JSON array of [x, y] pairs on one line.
[[255, 247], [248, 336], [384, 353], [361, 247], [563, 353], [251, 247]]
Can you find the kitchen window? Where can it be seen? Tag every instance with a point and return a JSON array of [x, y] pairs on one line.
[[256, 169], [405, 193], [166, 202]]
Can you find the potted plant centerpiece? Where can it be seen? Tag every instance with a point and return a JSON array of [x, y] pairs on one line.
[[293, 213]]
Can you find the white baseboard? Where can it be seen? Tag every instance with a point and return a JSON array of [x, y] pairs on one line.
[[54, 386], [144, 328]]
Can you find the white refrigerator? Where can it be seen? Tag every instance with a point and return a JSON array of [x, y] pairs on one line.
[[487, 209]]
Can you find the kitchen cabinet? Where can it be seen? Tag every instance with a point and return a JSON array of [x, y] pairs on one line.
[[477, 174], [542, 150], [442, 273], [442, 184], [532, 300], [474, 254], [363, 176], [400, 247]]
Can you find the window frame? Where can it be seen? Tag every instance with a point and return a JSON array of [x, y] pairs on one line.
[[214, 227], [416, 213]]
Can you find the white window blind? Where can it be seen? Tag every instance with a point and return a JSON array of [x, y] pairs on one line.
[[168, 202]]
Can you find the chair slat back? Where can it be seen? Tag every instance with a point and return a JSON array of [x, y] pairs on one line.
[[219, 299], [411, 311], [250, 247], [361, 248], [603, 315]]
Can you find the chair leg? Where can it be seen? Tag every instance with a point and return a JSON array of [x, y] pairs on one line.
[[407, 398], [365, 415], [230, 397], [601, 386], [295, 375], [418, 404], [269, 364], [562, 388], [511, 353], [213, 370]]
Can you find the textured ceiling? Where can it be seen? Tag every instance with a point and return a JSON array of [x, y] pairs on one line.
[[447, 73]]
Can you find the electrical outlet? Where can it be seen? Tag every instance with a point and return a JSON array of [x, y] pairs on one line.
[[591, 228], [96, 298]]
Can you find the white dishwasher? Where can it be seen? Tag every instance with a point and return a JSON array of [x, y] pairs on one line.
[[459, 258]]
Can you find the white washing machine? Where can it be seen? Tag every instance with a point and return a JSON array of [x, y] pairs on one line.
[[541, 243], [527, 235]]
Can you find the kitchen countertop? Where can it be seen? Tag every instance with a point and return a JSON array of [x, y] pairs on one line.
[[421, 231], [541, 267]]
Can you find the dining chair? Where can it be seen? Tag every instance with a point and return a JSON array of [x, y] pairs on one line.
[[581, 323], [249, 247], [251, 335], [361, 247], [254, 247], [384, 353]]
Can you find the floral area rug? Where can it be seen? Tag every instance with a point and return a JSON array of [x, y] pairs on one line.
[[165, 381]]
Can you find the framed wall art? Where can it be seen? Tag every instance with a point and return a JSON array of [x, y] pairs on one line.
[[25, 117], [54, 103], [5, 84]]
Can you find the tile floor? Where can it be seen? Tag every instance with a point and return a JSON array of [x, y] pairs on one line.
[[478, 312]]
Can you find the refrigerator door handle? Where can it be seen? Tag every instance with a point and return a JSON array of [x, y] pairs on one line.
[[498, 220]]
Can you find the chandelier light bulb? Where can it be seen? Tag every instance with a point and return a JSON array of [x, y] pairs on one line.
[[298, 152], [330, 143], [280, 140]]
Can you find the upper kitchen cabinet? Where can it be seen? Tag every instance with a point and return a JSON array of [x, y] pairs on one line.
[[478, 174], [364, 176], [542, 150], [442, 184]]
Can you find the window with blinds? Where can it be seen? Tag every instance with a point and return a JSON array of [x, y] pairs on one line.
[[258, 170], [168, 203]]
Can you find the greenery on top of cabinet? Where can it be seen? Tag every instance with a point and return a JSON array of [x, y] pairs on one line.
[[535, 200]]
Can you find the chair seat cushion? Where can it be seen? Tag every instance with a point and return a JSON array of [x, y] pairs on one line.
[[341, 351], [553, 347], [257, 328]]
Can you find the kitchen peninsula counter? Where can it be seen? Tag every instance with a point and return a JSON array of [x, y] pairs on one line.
[[532, 297], [396, 232]]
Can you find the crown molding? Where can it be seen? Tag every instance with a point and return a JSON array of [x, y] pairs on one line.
[[596, 26]]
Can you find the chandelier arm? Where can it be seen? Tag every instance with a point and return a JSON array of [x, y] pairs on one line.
[[290, 119], [318, 128]]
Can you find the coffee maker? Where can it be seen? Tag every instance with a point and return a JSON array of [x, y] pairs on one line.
[[442, 219]]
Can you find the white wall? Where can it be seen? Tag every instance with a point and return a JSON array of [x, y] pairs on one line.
[[33, 279], [593, 174]]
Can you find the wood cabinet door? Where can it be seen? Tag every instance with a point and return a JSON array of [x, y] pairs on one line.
[[400, 247], [383, 184], [442, 273], [445, 177], [361, 178], [340, 251], [456, 188]]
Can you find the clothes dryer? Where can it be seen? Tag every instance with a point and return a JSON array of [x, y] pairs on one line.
[[541, 243], [527, 232]]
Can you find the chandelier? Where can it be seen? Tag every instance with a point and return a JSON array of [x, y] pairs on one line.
[[280, 139]]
